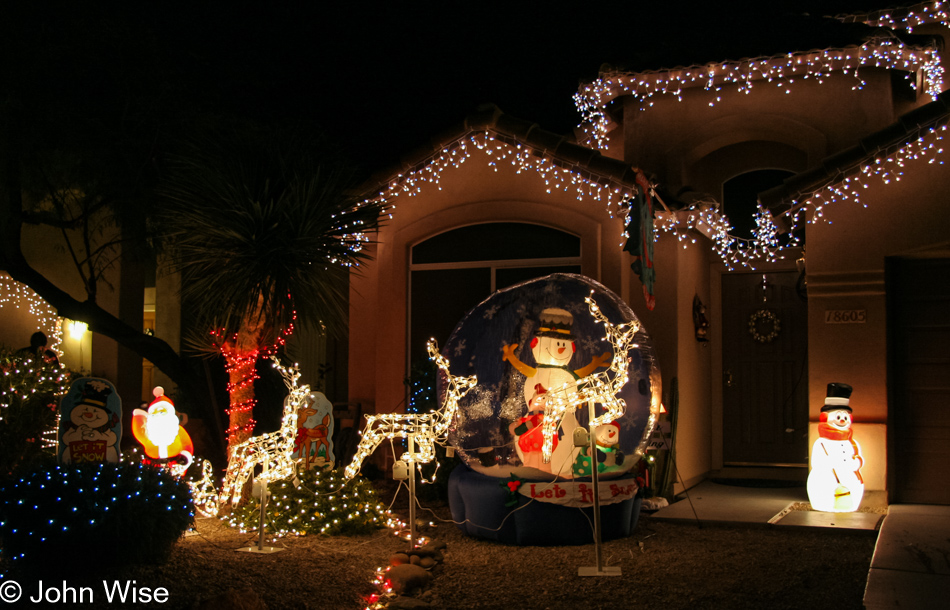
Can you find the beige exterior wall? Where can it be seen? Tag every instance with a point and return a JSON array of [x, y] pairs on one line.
[[682, 272], [683, 142]]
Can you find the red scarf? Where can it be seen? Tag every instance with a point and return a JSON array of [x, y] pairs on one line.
[[833, 434]]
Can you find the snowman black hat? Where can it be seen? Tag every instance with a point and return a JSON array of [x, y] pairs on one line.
[[838, 397], [95, 394], [557, 323]]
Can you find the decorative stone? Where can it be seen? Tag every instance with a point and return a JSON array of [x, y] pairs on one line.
[[427, 562], [414, 559], [406, 577], [408, 603], [437, 545], [398, 559]]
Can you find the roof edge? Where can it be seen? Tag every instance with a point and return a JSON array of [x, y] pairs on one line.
[[834, 168], [561, 150]]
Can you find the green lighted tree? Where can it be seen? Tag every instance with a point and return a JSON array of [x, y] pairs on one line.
[[316, 502], [29, 400]]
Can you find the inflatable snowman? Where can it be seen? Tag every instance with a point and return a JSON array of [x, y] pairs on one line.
[[553, 348], [835, 483]]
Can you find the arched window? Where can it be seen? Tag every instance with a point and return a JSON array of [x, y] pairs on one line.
[[453, 271]]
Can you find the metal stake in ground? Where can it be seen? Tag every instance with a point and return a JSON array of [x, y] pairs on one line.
[[260, 548], [412, 492], [599, 569]]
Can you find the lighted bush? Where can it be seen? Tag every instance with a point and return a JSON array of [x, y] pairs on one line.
[[317, 503], [95, 514], [29, 400]]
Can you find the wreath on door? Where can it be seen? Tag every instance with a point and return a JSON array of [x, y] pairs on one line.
[[764, 326]]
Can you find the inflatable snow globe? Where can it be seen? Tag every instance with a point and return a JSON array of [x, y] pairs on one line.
[[550, 354]]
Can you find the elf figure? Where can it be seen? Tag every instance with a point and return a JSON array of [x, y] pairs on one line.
[[835, 483], [552, 347], [607, 439], [609, 456]]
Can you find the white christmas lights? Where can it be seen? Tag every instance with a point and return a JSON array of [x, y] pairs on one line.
[[911, 17], [272, 450], [887, 166], [601, 387], [499, 150], [204, 493], [19, 295], [706, 218], [426, 429], [780, 70]]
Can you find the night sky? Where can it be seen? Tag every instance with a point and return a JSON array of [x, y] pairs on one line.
[[380, 78]]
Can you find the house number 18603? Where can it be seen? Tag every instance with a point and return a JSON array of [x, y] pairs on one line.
[[846, 316]]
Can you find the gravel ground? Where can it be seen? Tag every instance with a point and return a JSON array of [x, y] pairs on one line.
[[663, 564]]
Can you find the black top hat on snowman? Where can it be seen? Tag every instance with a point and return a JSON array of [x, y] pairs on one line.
[[96, 394], [837, 397], [556, 323]]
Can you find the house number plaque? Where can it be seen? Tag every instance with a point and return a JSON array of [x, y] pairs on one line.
[[846, 316]]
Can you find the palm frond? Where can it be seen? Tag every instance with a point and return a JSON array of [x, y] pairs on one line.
[[261, 230]]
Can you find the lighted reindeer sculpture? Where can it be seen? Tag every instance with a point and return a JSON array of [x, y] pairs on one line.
[[601, 387], [423, 429], [272, 450]]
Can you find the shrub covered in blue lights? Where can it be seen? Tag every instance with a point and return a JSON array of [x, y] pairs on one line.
[[92, 514]]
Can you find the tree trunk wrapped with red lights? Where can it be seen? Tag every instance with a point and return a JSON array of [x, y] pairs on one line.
[[242, 371]]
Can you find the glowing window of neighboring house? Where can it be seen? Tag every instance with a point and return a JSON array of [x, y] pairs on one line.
[[453, 271]]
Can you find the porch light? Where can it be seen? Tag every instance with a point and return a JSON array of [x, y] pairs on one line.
[[77, 329]]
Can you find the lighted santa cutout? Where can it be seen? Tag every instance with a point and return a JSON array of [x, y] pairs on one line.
[[835, 483], [160, 432]]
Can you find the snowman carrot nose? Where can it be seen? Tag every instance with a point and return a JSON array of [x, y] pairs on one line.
[[560, 350]]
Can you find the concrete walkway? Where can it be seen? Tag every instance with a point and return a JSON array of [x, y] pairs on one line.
[[911, 563], [910, 567]]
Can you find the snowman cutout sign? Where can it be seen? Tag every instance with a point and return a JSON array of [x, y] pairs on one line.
[[553, 348], [835, 483], [90, 422]]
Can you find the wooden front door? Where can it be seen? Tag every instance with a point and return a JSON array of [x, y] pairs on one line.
[[765, 370]]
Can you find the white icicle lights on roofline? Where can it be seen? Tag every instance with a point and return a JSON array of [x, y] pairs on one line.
[[522, 157], [779, 70], [913, 16], [886, 166]]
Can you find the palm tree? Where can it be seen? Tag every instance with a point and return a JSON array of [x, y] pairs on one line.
[[258, 222]]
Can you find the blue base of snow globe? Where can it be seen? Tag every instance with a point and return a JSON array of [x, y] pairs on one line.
[[478, 501]]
